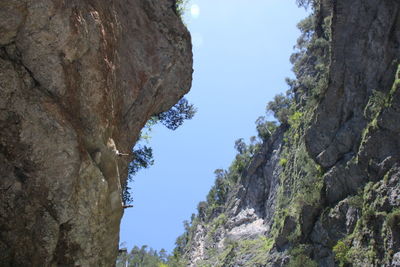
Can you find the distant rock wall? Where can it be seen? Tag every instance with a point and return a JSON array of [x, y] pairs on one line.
[[75, 75], [249, 208], [325, 190]]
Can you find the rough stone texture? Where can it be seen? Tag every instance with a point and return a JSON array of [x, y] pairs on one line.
[[355, 146], [260, 182], [359, 67], [74, 77], [354, 138], [365, 47], [249, 208]]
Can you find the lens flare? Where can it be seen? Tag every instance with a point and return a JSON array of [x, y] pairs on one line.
[[195, 11]]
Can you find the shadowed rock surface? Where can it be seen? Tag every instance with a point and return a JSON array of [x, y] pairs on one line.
[[77, 77]]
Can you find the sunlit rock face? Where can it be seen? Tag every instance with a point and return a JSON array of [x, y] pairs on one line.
[[74, 77]]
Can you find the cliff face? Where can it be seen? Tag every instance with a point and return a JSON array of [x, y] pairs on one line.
[[78, 79], [246, 215], [324, 189]]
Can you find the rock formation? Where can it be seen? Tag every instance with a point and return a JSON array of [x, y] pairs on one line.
[[74, 77], [324, 189]]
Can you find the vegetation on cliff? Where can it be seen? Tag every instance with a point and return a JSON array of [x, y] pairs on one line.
[[337, 207], [307, 205], [143, 154], [146, 257], [292, 111]]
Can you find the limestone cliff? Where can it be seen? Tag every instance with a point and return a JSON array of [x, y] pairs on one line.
[[324, 189], [77, 77]]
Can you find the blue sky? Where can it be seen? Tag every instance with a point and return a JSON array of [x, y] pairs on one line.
[[241, 58]]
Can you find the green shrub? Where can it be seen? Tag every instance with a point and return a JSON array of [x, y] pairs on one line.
[[254, 250], [295, 119], [216, 223], [375, 104], [300, 257], [180, 7], [341, 250], [280, 108], [393, 219], [283, 162], [265, 128], [302, 261], [356, 201]]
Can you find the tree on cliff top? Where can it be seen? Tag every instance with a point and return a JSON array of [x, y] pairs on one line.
[[280, 108]]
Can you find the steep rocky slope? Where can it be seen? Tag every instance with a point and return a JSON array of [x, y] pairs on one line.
[[324, 188], [78, 80]]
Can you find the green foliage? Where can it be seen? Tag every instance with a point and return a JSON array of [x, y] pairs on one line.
[[240, 146], [300, 257], [341, 250], [280, 108], [222, 189], [142, 159], [180, 7], [375, 104], [127, 197], [258, 248], [301, 178], [304, 3], [145, 257], [211, 211], [239, 165], [393, 219], [216, 223], [396, 84], [242, 160], [174, 117], [377, 101], [356, 201], [295, 119], [217, 195], [220, 220], [302, 261], [145, 133], [265, 128], [368, 214], [369, 244], [254, 251], [143, 155], [282, 162], [310, 62]]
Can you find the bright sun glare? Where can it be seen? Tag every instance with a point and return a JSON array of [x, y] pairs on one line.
[[195, 11]]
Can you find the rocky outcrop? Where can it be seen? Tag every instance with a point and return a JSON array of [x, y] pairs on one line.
[[351, 139], [329, 193], [78, 80], [247, 213], [364, 58]]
